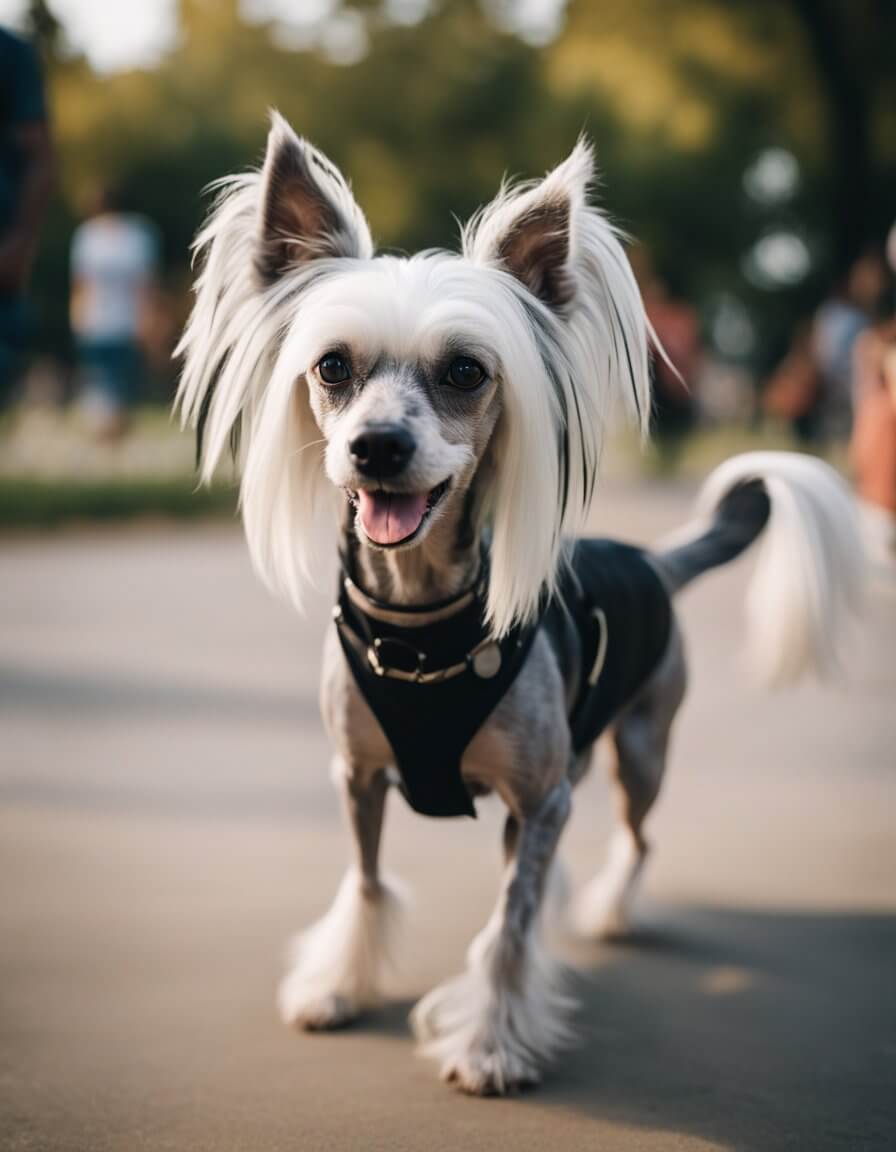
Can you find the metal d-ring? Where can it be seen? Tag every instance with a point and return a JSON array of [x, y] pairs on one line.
[[374, 658]]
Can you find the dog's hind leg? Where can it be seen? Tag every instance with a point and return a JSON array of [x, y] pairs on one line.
[[491, 1027], [336, 965], [640, 739]]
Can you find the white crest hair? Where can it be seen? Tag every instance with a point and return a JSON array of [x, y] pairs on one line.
[[594, 354], [235, 386], [565, 366]]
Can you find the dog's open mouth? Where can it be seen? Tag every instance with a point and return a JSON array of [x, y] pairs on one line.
[[394, 517]]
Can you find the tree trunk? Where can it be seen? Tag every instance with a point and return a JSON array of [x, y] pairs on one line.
[[839, 37]]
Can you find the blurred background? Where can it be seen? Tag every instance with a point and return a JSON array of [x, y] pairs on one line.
[[166, 818], [749, 147]]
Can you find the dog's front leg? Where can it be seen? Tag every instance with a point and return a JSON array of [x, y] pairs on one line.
[[491, 1028], [336, 965]]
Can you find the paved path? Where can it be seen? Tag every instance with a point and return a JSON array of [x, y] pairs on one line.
[[166, 821]]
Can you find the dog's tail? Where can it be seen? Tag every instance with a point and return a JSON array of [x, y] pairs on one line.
[[809, 572]]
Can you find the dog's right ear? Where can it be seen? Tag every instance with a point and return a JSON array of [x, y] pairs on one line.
[[306, 210]]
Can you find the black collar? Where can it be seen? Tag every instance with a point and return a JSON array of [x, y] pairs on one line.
[[413, 614]]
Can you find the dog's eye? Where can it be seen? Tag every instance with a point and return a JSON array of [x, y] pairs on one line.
[[465, 373], [333, 369]]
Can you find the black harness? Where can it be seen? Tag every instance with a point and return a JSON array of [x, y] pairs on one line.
[[431, 686]]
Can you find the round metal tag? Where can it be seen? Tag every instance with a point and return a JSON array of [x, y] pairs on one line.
[[487, 661]]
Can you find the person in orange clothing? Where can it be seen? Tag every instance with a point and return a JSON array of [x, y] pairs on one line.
[[873, 445]]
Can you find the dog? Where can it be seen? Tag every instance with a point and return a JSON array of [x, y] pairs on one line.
[[445, 413]]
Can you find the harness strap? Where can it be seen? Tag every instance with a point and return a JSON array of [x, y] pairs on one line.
[[484, 658], [431, 687]]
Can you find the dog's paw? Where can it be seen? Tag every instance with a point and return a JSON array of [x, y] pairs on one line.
[[309, 1009], [490, 1036], [336, 965], [473, 1052], [486, 1070]]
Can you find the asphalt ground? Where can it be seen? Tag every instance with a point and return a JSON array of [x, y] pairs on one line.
[[167, 821]]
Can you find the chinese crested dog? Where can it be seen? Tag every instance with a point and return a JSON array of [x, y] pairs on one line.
[[446, 412]]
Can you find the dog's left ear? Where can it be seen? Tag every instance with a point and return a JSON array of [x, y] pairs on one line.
[[594, 360], [306, 210], [530, 231]]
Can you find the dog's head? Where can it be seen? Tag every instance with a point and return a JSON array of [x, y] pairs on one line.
[[405, 381]]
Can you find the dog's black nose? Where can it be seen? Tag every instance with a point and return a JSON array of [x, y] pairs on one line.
[[382, 450]]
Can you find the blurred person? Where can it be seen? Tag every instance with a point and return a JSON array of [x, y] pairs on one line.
[[114, 261], [26, 175], [873, 444], [838, 324], [890, 249], [677, 325], [792, 391]]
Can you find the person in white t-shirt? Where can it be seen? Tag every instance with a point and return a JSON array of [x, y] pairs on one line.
[[114, 260]]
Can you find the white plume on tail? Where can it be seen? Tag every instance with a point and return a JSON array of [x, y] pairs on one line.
[[810, 569]]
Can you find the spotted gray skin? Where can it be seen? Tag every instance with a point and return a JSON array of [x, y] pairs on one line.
[[522, 753]]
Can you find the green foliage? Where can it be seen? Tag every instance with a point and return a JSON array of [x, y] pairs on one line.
[[679, 99], [36, 503]]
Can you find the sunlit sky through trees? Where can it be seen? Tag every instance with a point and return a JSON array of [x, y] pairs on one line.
[[116, 36], [720, 127]]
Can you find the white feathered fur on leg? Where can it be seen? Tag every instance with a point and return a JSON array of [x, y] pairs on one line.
[[491, 1035], [337, 965], [603, 906]]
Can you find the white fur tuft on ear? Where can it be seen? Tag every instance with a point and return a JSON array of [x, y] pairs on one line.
[[565, 264], [306, 209], [528, 229], [268, 238]]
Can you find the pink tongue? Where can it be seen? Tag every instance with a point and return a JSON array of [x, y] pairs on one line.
[[388, 517]]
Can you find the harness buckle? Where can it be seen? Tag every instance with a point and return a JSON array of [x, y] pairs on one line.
[[382, 668]]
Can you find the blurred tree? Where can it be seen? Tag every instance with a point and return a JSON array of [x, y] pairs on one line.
[[852, 50], [436, 106], [43, 28]]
